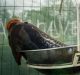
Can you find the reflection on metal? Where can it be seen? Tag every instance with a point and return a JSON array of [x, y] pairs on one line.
[[69, 65], [60, 66], [73, 63], [76, 59], [56, 48]]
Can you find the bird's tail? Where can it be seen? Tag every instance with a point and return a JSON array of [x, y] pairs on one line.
[[17, 57]]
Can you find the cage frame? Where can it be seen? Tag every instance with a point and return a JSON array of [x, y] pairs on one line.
[[74, 62]]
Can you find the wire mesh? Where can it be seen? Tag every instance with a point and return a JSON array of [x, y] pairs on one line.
[[45, 15]]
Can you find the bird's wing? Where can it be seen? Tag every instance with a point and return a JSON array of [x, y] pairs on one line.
[[26, 39], [17, 41], [59, 43], [46, 37]]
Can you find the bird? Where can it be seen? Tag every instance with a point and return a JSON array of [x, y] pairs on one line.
[[24, 36]]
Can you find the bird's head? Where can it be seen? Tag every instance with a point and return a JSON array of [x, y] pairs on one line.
[[11, 23]]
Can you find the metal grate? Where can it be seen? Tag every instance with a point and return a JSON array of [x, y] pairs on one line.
[[45, 15]]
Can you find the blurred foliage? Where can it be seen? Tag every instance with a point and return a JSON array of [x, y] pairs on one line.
[[49, 20]]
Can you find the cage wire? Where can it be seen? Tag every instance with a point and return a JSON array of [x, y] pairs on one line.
[[51, 16]]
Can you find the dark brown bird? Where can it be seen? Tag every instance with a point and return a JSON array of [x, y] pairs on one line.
[[25, 36]]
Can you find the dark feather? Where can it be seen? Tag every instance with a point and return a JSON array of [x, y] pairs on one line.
[[26, 36]]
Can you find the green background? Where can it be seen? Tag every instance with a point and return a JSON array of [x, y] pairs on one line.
[[45, 15]]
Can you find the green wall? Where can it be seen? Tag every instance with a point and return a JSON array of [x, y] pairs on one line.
[[45, 15]]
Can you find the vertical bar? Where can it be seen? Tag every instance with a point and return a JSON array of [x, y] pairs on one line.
[[2, 58], [63, 14], [61, 6], [61, 27], [31, 12], [72, 39], [14, 10], [0, 45], [23, 12], [6, 67], [2, 63], [78, 28], [54, 20]]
